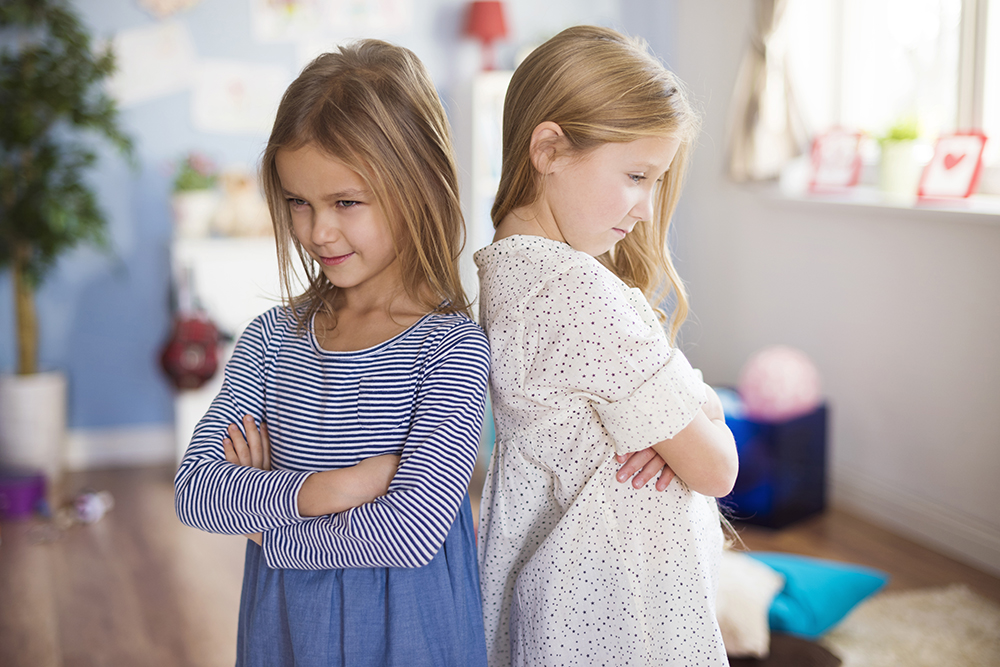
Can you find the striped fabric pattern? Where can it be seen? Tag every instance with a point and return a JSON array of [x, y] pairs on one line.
[[420, 395]]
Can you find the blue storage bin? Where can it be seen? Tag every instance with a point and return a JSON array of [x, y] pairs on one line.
[[782, 475]]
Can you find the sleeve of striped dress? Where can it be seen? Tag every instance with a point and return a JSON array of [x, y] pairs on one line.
[[209, 492], [407, 527]]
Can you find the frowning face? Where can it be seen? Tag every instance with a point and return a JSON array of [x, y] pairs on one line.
[[595, 200]]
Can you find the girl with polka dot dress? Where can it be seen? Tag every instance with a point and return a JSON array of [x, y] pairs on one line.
[[575, 568]]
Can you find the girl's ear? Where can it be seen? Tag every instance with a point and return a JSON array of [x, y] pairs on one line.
[[546, 140]]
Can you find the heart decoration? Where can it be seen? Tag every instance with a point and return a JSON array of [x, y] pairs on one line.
[[951, 160]]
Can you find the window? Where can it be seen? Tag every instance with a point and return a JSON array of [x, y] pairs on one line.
[[991, 85], [874, 64]]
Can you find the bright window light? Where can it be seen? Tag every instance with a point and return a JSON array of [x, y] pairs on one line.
[[900, 61], [991, 91]]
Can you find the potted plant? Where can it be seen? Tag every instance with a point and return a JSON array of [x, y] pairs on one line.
[[899, 171], [195, 198], [52, 106]]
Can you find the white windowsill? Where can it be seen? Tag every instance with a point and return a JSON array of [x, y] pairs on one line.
[[978, 208]]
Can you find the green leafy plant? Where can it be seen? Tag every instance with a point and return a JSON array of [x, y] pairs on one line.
[[52, 107], [904, 129], [196, 172]]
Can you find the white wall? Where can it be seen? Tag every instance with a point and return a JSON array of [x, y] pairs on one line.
[[899, 309]]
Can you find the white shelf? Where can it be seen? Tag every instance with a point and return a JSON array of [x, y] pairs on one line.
[[235, 280]]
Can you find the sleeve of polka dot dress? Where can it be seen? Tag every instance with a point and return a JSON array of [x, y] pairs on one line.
[[598, 337]]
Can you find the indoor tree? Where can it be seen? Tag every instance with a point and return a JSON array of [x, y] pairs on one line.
[[53, 106]]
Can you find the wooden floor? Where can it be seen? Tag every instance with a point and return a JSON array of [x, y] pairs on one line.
[[140, 589]]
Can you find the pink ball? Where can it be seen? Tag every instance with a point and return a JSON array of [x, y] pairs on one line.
[[779, 383]]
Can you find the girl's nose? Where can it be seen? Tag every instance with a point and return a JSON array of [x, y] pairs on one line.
[[643, 210], [325, 229]]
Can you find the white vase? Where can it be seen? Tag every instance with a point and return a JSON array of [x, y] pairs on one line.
[[193, 212], [899, 171], [33, 422]]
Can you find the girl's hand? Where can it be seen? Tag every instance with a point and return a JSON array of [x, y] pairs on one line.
[[713, 406], [254, 451], [339, 490], [644, 464], [371, 478]]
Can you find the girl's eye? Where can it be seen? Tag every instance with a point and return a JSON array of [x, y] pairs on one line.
[[637, 178], [294, 202], [347, 203]]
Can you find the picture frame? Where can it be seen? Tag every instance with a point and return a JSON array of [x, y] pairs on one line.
[[954, 170], [836, 161]]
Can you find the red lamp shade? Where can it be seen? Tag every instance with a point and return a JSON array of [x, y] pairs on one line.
[[485, 21]]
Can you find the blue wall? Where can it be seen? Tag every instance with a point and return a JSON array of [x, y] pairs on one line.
[[104, 316]]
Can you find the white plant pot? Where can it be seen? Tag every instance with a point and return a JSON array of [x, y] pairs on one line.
[[193, 213], [33, 422], [899, 171]]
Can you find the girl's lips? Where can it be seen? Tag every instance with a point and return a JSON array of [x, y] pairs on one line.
[[334, 261], [620, 231]]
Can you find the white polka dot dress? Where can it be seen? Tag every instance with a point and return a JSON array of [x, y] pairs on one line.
[[575, 567]]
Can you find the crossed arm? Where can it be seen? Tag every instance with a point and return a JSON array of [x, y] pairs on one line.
[[703, 453], [332, 491], [326, 492]]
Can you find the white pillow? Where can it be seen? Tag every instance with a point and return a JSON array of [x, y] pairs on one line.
[[746, 589]]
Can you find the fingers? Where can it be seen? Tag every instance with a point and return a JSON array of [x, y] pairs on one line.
[[635, 463], [253, 442], [666, 477], [265, 441], [231, 456], [642, 466], [713, 404], [649, 471], [252, 450], [239, 445]]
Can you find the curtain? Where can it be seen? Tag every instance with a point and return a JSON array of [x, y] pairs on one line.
[[766, 130]]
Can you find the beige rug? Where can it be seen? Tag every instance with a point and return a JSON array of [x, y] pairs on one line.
[[934, 627]]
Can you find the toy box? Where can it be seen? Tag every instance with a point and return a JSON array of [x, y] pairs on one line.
[[22, 492], [782, 474]]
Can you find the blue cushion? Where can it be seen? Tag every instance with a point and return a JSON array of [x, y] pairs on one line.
[[817, 593]]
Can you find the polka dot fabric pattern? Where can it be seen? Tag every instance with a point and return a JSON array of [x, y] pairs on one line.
[[576, 568]]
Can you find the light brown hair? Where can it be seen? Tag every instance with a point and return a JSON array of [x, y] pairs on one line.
[[372, 106], [600, 86]]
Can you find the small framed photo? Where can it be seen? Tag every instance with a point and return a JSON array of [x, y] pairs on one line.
[[836, 161], [954, 170]]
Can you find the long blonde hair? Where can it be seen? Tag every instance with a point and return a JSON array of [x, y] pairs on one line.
[[599, 87], [372, 106]]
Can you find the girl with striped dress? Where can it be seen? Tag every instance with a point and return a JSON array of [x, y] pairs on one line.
[[354, 410]]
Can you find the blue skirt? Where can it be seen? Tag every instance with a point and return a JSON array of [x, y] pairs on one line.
[[429, 616]]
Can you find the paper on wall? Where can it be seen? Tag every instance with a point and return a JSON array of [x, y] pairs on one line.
[[164, 8], [364, 17], [295, 20], [152, 61], [284, 20], [236, 97]]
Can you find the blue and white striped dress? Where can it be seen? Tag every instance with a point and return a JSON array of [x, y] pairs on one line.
[[390, 582]]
